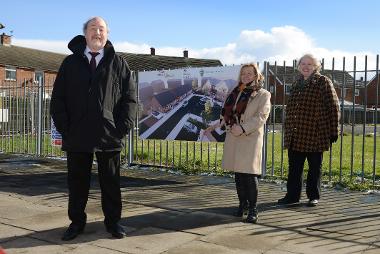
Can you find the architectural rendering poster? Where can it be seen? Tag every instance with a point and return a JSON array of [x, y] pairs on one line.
[[181, 104]]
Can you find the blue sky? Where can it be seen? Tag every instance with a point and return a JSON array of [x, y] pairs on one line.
[[233, 31]]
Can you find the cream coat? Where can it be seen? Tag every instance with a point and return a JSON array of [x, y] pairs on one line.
[[244, 153]]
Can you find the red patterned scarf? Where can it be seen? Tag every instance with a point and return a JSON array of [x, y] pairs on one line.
[[232, 115]]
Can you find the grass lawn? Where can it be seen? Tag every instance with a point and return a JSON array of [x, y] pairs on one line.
[[198, 158]]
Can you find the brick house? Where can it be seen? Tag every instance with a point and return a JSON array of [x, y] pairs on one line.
[[26, 66], [280, 77], [373, 92], [20, 64], [21, 68]]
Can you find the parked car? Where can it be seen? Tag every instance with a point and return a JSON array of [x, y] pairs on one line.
[[157, 115], [190, 127]]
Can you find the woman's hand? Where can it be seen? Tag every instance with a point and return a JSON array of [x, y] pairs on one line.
[[236, 130], [213, 127], [218, 124]]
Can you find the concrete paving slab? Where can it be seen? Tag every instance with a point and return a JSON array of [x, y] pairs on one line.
[[191, 222], [372, 250], [362, 226], [154, 218], [93, 232], [13, 207], [9, 232], [197, 247], [92, 249], [149, 241], [247, 237], [206, 230], [325, 242], [168, 213], [277, 251], [27, 245]]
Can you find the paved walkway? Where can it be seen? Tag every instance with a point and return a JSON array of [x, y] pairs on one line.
[[166, 213]]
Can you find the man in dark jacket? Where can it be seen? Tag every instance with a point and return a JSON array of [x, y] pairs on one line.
[[93, 106]]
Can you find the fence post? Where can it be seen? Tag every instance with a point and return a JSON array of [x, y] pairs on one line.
[[39, 125], [132, 131], [265, 137], [130, 147]]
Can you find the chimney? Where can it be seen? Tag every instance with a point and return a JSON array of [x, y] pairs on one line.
[[152, 51], [5, 39], [186, 53]]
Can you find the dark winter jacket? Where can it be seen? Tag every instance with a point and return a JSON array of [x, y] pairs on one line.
[[312, 115], [93, 112]]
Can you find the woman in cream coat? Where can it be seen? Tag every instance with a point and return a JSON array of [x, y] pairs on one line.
[[244, 114]]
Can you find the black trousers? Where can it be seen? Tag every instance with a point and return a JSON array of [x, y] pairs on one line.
[[247, 189], [295, 176], [79, 176]]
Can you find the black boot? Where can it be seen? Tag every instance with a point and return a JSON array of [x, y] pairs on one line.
[[243, 202], [242, 209], [252, 215], [252, 186]]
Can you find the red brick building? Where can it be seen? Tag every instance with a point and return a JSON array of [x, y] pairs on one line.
[[20, 64], [280, 78]]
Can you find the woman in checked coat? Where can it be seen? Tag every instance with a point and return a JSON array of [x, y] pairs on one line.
[[244, 114], [311, 126]]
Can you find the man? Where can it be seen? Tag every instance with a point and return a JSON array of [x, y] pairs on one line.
[[93, 106], [311, 126]]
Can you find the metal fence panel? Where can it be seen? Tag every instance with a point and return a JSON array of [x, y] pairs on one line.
[[25, 126]]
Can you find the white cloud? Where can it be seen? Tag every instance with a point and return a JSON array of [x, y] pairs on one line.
[[284, 43], [131, 48], [53, 46]]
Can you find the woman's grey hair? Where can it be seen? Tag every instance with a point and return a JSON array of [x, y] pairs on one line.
[[316, 63], [85, 25]]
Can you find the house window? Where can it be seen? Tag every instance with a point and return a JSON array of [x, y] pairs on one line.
[[37, 76], [357, 92], [10, 73], [271, 88], [287, 88], [345, 92]]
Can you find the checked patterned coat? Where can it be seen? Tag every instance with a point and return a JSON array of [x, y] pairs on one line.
[[312, 115]]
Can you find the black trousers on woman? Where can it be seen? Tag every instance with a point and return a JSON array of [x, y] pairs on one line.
[[247, 189], [295, 176], [79, 175]]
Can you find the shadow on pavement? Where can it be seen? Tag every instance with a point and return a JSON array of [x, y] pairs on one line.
[[55, 182]]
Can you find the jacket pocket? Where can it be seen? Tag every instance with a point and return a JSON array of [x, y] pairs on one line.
[[108, 115]]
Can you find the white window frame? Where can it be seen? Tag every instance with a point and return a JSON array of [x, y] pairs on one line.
[[10, 69], [35, 76], [357, 92], [287, 88], [345, 92]]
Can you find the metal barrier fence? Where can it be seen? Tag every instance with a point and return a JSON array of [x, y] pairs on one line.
[[25, 126]]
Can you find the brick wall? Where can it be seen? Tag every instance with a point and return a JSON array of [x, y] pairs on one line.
[[372, 93], [2, 74], [49, 81], [24, 74], [28, 75]]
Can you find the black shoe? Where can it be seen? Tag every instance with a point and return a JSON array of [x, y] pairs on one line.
[[287, 201], [72, 232], [117, 231], [242, 209], [253, 216]]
